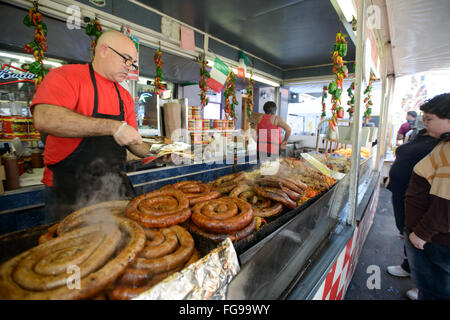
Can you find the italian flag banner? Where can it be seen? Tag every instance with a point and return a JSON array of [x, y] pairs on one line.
[[243, 63], [219, 74]]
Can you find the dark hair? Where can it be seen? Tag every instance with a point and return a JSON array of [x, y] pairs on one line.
[[412, 113], [439, 106], [270, 107]]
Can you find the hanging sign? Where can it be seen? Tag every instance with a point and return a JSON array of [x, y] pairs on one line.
[[187, 39], [10, 74]]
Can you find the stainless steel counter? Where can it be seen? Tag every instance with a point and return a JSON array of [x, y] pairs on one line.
[[277, 266]]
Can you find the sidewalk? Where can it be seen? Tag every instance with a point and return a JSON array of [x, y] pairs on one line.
[[383, 247]]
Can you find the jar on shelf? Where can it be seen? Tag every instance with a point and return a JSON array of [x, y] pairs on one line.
[[194, 112], [15, 127], [196, 138], [205, 124]]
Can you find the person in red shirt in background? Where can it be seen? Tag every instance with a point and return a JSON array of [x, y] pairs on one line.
[[268, 128], [405, 127], [90, 121]]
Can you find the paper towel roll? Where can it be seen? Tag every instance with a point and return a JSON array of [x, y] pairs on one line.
[[172, 117]]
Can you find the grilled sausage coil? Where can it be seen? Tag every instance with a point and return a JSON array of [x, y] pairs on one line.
[[226, 183], [101, 251], [92, 214], [221, 218], [159, 209], [49, 235], [219, 237], [262, 207], [197, 191], [223, 215], [166, 251], [276, 195]]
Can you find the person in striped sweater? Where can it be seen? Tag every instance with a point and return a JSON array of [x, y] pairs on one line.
[[427, 208]]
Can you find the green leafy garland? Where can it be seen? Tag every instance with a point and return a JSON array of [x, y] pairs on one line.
[[204, 75], [251, 82], [351, 101], [230, 112], [324, 106], [159, 73], [341, 72], [94, 29], [39, 44], [368, 98]]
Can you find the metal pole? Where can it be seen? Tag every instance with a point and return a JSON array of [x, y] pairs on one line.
[[357, 115], [390, 95], [383, 110]]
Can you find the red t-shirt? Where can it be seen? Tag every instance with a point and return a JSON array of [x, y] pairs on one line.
[[70, 86], [404, 128], [266, 131]]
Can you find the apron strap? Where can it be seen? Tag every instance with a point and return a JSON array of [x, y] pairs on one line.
[[92, 74], [94, 83], [121, 107]]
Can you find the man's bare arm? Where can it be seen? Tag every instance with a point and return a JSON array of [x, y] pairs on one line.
[[287, 129], [61, 122]]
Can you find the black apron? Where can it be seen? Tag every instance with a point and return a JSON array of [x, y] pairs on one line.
[[94, 171]]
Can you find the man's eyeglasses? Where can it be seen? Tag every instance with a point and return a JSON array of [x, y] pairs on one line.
[[126, 60]]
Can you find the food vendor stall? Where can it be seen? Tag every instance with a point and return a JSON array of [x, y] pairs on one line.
[[308, 249]]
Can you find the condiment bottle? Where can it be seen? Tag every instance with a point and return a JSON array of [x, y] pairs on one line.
[[11, 171], [36, 158]]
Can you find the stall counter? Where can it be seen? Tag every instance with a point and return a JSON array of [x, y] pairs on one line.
[[25, 207]]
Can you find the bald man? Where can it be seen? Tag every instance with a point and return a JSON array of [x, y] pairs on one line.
[[90, 121]]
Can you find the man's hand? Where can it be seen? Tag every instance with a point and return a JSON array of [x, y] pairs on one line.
[[126, 135], [283, 145], [416, 241]]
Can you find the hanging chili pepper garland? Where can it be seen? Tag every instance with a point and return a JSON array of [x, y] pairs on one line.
[[324, 96], [368, 98], [351, 100], [204, 75], [251, 82], [39, 45], [341, 72], [94, 29], [159, 73], [230, 112]]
